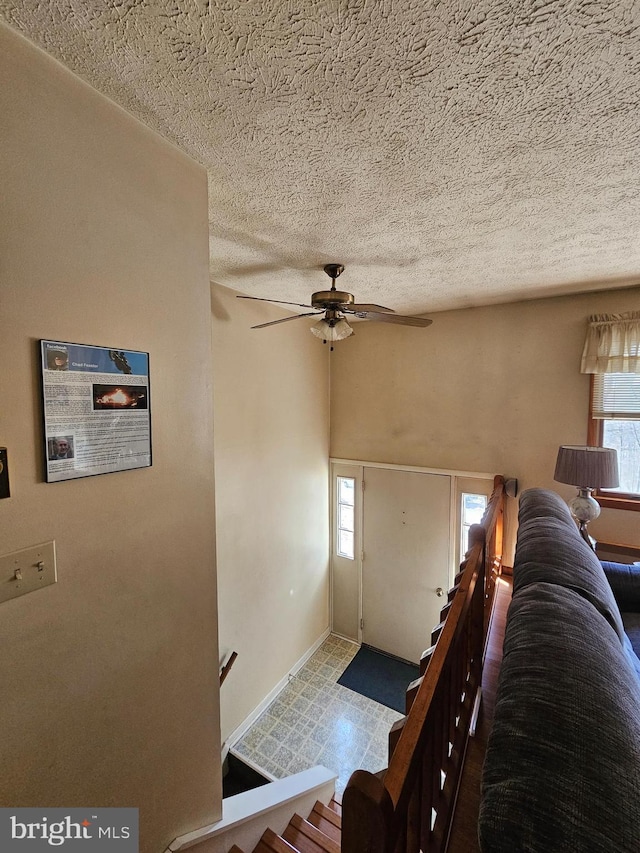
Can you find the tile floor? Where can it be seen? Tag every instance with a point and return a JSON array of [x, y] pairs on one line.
[[316, 721]]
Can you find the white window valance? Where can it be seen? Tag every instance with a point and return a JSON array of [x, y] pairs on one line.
[[612, 344]]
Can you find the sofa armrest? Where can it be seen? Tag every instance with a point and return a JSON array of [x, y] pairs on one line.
[[625, 583]]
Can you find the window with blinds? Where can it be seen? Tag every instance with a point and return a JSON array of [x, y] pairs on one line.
[[615, 408], [616, 395]]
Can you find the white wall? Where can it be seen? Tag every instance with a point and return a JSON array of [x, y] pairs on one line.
[[271, 415], [494, 389], [109, 678]]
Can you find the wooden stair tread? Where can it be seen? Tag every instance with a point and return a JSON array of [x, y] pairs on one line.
[[321, 833], [325, 826], [272, 843], [327, 821], [307, 838], [327, 813]]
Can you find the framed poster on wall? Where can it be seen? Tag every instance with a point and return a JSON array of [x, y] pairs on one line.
[[97, 410]]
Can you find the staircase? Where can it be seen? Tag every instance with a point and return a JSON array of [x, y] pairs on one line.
[[319, 833], [411, 805]]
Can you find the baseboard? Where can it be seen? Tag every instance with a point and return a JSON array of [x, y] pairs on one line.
[[342, 637], [246, 724]]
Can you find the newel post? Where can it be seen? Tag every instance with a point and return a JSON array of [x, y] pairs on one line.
[[476, 534], [367, 815]]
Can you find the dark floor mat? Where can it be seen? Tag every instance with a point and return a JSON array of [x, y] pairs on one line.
[[379, 677]]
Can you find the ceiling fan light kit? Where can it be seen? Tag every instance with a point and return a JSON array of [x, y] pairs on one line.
[[334, 304], [332, 330]]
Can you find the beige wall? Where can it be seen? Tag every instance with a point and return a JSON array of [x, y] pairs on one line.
[[109, 693], [271, 415], [485, 389]]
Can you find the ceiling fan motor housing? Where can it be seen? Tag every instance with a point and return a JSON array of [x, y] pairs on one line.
[[331, 298]]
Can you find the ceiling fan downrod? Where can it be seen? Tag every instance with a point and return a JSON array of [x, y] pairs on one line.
[[326, 299], [333, 271]]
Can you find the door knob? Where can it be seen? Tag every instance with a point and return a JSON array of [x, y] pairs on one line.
[[439, 592]]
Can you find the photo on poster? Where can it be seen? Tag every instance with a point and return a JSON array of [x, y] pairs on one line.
[[57, 358], [60, 447], [96, 408], [119, 397]]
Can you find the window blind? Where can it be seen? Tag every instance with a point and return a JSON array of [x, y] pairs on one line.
[[616, 395]]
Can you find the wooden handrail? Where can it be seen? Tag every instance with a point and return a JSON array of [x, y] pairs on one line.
[[493, 524], [224, 672], [409, 808]]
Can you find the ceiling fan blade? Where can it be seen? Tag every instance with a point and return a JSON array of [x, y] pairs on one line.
[[279, 301], [392, 318], [286, 319], [366, 307]]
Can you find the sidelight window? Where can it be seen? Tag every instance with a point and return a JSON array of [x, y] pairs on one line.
[[472, 510], [345, 522]]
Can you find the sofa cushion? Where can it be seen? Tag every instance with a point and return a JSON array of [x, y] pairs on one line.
[[625, 582], [562, 767], [632, 639], [551, 550]]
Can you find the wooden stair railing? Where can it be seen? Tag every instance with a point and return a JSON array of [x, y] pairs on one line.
[[409, 807], [493, 525]]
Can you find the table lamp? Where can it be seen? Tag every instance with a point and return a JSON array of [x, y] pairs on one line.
[[588, 468]]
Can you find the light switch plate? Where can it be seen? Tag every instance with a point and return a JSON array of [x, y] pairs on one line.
[[27, 570]]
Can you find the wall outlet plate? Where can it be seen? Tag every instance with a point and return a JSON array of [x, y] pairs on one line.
[[27, 570]]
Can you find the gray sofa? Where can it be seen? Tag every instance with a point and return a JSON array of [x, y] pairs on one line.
[[625, 583], [562, 767]]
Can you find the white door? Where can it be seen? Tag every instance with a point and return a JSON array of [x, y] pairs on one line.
[[406, 545]]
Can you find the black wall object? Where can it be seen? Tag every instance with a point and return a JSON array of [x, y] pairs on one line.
[[4, 474]]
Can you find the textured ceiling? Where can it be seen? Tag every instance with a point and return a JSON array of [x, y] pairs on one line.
[[449, 153]]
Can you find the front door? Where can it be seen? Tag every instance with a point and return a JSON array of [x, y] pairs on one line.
[[407, 562]]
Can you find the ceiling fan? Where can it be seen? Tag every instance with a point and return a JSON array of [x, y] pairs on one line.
[[334, 304]]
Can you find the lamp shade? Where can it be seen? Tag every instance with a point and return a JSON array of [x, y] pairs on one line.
[[587, 467], [331, 330]]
